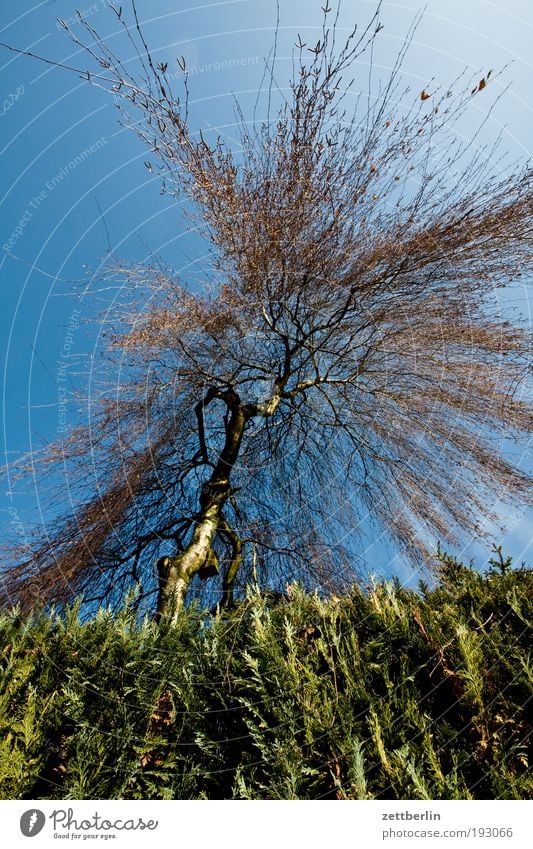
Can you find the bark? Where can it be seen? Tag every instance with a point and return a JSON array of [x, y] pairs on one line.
[[236, 560], [175, 573]]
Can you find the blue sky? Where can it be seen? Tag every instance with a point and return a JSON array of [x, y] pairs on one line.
[[72, 178]]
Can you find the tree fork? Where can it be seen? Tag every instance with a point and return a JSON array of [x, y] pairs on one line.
[[175, 573]]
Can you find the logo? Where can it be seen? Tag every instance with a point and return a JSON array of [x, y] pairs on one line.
[[32, 822]]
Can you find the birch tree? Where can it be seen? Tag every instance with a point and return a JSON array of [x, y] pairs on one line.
[[344, 362]]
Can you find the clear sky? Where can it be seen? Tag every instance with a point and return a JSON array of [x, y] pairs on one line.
[[74, 181]]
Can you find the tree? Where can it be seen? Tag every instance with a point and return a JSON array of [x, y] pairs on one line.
[[346, 357]]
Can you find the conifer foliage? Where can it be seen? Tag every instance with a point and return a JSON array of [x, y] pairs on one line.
[[383, 694]]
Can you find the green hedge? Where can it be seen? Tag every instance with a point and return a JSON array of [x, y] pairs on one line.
[[386, 693]]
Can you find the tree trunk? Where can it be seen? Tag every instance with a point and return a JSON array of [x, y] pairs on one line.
[[175, 573]]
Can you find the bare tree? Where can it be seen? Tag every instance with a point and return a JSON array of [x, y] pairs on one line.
[[346, 357]]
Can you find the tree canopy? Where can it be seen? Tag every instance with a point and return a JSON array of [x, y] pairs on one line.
[[345, 361]]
